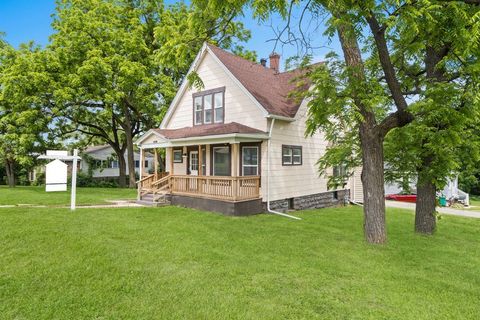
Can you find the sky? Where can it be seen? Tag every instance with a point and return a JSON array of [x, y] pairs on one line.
[[29, 20]]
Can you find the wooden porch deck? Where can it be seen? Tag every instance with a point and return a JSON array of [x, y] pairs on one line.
[[233, 189]]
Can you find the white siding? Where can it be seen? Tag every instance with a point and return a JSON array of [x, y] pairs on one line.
[[355, 185], [106, 153], [299, 180], [286, 181], [238, 106]]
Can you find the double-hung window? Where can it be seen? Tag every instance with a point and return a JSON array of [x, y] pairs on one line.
[[198, 107], [218, 99], [114, 164], [208, 106], [291, 155]]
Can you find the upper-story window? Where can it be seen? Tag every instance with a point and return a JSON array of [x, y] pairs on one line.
[[209, 106]]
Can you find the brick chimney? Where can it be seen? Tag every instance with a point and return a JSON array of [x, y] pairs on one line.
[[275, 61]]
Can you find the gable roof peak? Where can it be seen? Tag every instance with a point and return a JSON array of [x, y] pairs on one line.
[[268, 86]]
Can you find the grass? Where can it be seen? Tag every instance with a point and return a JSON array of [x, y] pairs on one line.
[[85, 196], [475, 202], [158, 263]]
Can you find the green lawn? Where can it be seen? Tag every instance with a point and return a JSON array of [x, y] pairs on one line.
[[475, 202], [159, 263], [38, 196]]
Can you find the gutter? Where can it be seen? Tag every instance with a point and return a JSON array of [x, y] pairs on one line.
[[273, 117], [268, 176]]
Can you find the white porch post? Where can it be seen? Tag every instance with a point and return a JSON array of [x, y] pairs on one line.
[[74, 180], [235, 157], [200, 160], [155, 163], [170, 164], [141, 165]]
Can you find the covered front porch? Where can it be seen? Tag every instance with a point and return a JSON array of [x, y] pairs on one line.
[[223, 168]]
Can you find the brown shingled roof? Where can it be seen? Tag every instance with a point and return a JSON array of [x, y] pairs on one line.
[[270, 88], [207, 130]]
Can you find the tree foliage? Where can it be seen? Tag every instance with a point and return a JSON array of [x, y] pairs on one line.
[[122, 61], [23, 124]]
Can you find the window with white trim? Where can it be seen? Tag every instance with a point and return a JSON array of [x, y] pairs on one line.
[[208, 106], [198, 105], [218, 99], [114, 164], [291, 155], [250, 161]]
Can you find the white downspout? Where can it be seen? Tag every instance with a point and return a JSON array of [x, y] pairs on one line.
[[268, 176]]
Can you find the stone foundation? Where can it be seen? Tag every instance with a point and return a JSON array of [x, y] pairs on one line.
[[244, 208], [312, 201]]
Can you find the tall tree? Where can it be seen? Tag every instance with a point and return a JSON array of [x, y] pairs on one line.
[[368, 91], [437, 63], [121, 62], [23, 124]]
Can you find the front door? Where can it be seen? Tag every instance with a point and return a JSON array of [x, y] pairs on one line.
[[193, 165]]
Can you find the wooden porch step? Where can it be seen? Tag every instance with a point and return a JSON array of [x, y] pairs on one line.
[[153, 200], [148, 203]]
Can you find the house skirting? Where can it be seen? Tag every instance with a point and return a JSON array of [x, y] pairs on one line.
[[241, 208], [312, 201], [250, 207]]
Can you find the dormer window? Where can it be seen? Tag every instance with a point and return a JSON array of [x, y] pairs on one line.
[[208, 106]]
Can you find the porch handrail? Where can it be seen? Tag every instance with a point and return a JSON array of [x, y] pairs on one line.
[[162, 183], [145, 178], [222, 188], [163, 177]]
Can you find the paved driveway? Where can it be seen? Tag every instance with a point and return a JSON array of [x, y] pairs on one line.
[[454, 212]]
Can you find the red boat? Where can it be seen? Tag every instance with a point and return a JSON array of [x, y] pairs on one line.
[[402, 197]]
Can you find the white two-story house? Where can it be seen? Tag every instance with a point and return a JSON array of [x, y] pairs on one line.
[[238, 145]]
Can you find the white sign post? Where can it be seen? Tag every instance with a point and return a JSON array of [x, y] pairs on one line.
[[74, 180], [56, 173]]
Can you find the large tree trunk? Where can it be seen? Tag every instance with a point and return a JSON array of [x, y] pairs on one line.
[[371, 139], [373, 185], [122, 171], [10, 170], [131, 161], [120, 153], [425, 219], [127, 127]]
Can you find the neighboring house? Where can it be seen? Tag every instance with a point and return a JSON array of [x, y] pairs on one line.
[[450, 191], [105, 164], [239, 143]]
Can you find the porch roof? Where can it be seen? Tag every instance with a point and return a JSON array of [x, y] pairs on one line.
[[207, 130], [232, 132]]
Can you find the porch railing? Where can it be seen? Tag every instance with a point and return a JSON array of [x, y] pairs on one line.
[[146, 182], [214, 187], [222, 188]]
